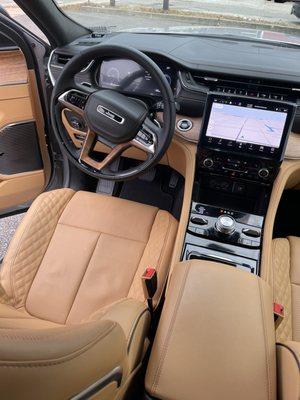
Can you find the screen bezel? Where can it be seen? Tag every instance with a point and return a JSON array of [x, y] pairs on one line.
[[215, 143]]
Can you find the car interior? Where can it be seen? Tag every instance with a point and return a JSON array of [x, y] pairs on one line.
[[159, 176]]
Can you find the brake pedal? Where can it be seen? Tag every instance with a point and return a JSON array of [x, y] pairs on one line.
[[105, 186]]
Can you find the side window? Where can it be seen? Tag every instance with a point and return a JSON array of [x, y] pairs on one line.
[[19, 16]]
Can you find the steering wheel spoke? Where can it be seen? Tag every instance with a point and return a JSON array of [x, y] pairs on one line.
[[75, 100], [147, 137], [89, 145]]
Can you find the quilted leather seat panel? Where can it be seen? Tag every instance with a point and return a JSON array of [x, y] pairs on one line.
[[30, 243], [282, 286]]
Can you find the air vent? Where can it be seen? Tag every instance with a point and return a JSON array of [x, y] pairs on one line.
[[62, 59], [57, 62]]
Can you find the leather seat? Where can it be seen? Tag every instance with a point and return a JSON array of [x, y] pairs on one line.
[[72, 314], [286, 284]]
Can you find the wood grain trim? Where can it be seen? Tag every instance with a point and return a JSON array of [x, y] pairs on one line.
[[13, 68]]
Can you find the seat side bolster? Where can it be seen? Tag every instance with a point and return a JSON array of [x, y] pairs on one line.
[[288, 370], [157, 254], [29, 245], [65, 360], [282, 286]]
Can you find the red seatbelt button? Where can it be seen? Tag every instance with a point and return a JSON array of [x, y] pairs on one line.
[[278, 310]]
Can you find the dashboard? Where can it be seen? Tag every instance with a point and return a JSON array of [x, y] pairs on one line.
[[194, 67]]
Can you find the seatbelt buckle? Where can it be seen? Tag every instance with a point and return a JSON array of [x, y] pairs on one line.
[[278, 310], [149, 281]]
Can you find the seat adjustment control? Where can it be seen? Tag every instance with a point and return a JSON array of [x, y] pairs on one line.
[[251, 232], [199, 221]]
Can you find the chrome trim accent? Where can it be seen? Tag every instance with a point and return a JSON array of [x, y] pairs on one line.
[[186, 129], [62, 99], [50, 65], [49, 69], [106, 112], [148, 148], [2, 128], [114, 376]]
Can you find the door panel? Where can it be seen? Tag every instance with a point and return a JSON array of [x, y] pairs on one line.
[[24, 159]]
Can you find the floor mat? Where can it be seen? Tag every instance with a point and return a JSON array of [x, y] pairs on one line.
[[157, 192], [287, 222]]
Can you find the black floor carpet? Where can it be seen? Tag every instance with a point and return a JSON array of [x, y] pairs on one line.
[[287, 222], [156, 192]]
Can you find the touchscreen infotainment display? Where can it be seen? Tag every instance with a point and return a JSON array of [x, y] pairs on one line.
[[248, 125], [244, 124]]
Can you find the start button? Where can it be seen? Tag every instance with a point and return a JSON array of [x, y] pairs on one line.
[[184, 125]]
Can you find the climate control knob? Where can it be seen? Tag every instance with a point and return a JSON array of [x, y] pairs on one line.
[[225, 224], [208, 162], [263, 173]]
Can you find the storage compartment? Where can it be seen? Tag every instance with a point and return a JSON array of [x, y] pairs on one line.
[[215, 338]]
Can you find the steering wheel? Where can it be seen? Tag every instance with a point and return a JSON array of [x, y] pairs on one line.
[[116, 120]]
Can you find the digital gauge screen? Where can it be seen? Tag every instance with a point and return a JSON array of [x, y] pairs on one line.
[[129, 77]]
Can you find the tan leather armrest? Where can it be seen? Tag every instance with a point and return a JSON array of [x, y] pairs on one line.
[[288, 370], [64, 360], [215, 338]]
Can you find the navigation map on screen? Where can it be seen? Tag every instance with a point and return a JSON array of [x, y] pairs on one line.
[[249, 125]]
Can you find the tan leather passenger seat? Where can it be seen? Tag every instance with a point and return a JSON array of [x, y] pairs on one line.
[[286, 262], [73, 312]]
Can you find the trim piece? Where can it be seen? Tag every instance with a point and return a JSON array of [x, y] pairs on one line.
[[114, 376], [292, 352]]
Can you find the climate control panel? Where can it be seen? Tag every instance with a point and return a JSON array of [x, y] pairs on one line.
[[237, 166]]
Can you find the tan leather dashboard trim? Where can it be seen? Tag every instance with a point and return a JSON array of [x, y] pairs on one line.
[[13, 68]]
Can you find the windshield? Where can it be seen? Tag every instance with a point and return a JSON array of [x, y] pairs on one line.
[[255, 19]]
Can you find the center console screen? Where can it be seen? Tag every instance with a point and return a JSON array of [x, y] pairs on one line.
[[246, 125]]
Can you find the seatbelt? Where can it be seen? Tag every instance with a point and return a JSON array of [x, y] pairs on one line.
[[278, 310], [149, 282]]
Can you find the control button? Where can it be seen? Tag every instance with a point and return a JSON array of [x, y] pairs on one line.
[[246, 242], [239, 188], [263, 173], [79, 137], [225, 224], [251, 232], [184, 125], [199, 221], [208, 162], [192, 229], [200, 232]]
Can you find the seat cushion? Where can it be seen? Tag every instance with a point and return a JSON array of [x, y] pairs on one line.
[[75, 253]]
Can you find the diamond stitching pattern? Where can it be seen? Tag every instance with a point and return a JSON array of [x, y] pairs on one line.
[[282, 286], [26, 253]]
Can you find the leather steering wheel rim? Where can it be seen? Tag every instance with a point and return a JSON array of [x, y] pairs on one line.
[[159, 138]]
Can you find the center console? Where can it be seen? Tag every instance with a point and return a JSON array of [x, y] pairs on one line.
[[241, 147]]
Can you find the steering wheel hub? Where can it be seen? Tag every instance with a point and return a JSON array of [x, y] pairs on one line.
[[113, 116]]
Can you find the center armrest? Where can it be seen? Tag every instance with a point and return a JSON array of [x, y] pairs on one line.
[[215, 338]]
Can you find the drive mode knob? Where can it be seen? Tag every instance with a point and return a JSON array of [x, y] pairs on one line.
[[263, 173], [208, 162], [225, 224]]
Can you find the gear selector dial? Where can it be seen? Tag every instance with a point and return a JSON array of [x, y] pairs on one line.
[[225, 224]]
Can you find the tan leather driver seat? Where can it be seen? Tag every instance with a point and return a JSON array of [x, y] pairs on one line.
[[73, 313], [286, 284]]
